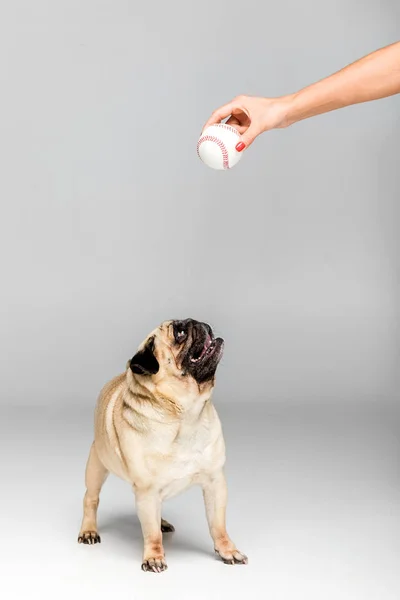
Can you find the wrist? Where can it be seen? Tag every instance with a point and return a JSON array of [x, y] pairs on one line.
[[279, 112], [290, 109]]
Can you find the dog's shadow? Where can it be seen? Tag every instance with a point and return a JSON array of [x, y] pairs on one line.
[[126, 531]]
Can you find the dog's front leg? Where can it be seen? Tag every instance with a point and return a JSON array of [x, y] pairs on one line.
[[215, 499], [148, 507]]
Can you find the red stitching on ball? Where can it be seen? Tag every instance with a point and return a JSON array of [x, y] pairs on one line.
[[228, 127], [221, 145]]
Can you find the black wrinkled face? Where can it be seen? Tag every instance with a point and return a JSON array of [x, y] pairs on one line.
[[200, 352]]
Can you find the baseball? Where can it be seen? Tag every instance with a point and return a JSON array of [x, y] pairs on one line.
[[216, 146]]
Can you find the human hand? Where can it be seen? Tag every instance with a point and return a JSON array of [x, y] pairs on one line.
[[251, 116]]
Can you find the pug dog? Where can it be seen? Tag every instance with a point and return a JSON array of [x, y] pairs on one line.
[[157, 428]]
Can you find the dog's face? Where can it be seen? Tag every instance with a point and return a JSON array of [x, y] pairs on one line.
[[186, 351]]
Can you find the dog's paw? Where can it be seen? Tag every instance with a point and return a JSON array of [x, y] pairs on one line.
[[166, 527], [154, 565], [89, 537], [232, 557]]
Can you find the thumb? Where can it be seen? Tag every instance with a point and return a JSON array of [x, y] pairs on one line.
[[247, 138]]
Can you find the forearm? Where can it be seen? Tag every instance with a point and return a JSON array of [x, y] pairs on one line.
[[374, 76]]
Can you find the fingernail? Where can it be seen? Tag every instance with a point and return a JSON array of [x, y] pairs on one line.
[[240, 146]]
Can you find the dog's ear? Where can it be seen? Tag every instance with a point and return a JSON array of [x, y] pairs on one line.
[[144, 362]]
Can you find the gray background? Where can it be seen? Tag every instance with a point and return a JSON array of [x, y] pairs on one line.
[[110, 224]]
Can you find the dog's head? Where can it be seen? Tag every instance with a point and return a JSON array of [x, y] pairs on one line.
[[182, 355]]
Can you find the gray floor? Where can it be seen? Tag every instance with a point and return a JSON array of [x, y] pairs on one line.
[[314, 503]]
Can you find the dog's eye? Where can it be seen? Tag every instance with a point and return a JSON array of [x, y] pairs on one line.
[[180, 336]]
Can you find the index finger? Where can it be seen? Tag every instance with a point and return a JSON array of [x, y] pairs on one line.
[[219, 114]]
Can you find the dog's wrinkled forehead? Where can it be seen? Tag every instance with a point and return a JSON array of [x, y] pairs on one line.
[[168, 329], [165, 329], [162, 332]]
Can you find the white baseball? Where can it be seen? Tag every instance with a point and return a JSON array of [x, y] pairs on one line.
[[216, 146]]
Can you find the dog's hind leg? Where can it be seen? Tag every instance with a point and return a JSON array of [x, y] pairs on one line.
[[166, 527], [96, 474]]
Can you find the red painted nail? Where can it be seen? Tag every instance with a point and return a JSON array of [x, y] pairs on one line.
[[240, 146]]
